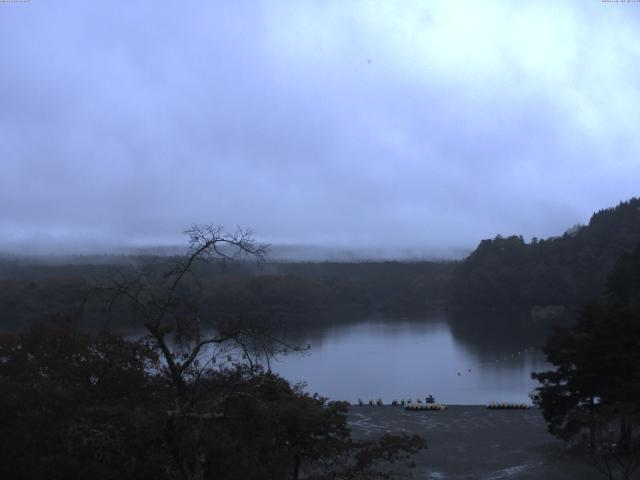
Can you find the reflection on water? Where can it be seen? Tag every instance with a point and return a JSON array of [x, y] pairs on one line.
[[458, 362]]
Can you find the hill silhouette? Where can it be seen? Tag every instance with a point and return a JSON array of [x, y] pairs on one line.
[[571, 269]]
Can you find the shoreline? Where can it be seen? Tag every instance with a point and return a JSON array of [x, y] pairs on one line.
[[473, 442]]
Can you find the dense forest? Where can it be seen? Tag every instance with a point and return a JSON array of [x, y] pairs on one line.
[[510, 272], [567, 270], [295, 292]]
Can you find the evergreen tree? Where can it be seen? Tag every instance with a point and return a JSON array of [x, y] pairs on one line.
[[596, 384]]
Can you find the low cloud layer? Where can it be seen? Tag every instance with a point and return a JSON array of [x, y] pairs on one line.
[[421, 125]]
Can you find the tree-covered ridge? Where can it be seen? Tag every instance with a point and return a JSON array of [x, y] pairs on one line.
[[568, 270]]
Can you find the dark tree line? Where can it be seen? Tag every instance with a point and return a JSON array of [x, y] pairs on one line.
[[296, 292], [505, 271]]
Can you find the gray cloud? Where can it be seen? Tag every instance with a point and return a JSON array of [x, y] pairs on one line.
[[326, 123]]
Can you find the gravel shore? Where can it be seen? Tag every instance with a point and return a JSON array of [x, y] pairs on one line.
[[472, 442]]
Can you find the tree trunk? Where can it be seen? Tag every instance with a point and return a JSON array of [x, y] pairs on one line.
[[296, 466], [625, 434], [592, 427]]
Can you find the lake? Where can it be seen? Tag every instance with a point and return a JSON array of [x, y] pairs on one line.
[[462, 363]]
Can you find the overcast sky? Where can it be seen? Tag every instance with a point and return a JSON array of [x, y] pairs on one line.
[[413, 124]]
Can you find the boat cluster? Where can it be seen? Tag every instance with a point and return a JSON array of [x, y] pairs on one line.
[[507, 406], [429, 400], [425, 406], [402, 402]]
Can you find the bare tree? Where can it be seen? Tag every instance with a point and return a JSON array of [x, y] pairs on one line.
[[165, 301]]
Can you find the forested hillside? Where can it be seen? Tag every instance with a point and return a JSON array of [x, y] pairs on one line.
[[568, 270], [503, 272], [296, 292]]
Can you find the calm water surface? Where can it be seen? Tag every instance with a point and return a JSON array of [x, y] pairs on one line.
[[393, 359]]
